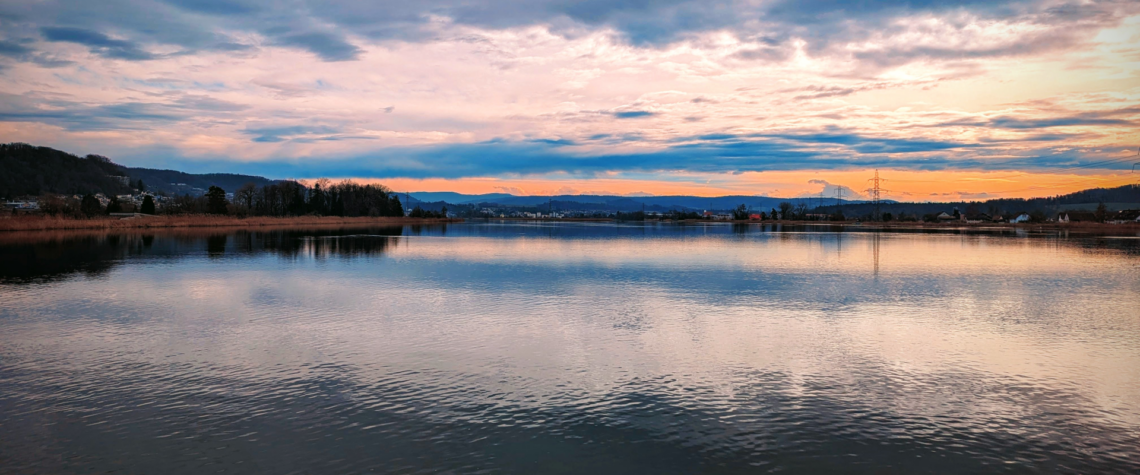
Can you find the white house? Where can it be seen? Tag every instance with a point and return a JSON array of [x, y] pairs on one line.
[[1021, 218]]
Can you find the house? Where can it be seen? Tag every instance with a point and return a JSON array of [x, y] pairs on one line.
[[1127, 216], [1073, 216], [945, 217], [722, 217], [1021, 218], [755, 217]]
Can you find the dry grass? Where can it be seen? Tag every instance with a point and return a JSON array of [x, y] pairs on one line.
[[47, 223]]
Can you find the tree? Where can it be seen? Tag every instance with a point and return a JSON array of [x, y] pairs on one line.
[[774, 214], [740, 213], [216, 200], [1101, 213], [141, 186], [147, 205], [317, 199], [90, 206], [114, 206], [394, 206], [245, 194], [786, 209], [888, 217]]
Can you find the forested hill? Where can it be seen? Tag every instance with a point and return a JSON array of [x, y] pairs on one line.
[[176, 182], [1120, 194], [31, 170]]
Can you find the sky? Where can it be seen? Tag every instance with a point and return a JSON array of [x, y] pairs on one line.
[[947, 100]]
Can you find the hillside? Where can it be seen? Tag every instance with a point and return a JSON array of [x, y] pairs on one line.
[[1115, 199], [31, 170], [176, 182]]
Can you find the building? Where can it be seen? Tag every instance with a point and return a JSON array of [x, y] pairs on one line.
[[755, 217], [1021, 218], [21, 205]]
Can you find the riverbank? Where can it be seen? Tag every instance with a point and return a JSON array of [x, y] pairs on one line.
[[44, 223]]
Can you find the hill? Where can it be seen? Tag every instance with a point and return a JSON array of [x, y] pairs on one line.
[[176, 182], [1115, 199], [32, 170]]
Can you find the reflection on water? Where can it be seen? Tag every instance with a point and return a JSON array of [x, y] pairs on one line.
[[569, 348]]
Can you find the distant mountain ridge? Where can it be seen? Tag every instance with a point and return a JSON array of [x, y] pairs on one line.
[[617, 203]]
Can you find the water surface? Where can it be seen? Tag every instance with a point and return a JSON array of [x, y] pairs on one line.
[[569, 348]]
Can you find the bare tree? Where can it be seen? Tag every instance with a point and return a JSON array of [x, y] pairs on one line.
[[245, 194]]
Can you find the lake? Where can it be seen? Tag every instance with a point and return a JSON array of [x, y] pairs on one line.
[[599, 348]]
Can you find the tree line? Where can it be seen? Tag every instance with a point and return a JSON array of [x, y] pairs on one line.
[[291, 198]]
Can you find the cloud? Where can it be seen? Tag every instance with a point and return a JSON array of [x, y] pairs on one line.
[[98, 43], [771, 29], [555, 142], [506, 158], [327, 46], [1048, 118], [632, 114], [833, 191], [14, 49], [80, 117], [274, 134], [207, 103], [302, 134], [482, 85], [216, 7], [134, 115]]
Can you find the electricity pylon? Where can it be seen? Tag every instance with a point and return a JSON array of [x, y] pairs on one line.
[[875, 192]]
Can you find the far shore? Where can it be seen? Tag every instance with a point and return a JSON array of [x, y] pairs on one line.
[[18, 224], [1079, 227], [47, 223]]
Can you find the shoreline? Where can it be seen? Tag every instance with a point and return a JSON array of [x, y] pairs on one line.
[[19, 224], [31, 224], [1078, 227]]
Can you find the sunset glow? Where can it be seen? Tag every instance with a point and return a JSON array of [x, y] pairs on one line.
[[775, 98]]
